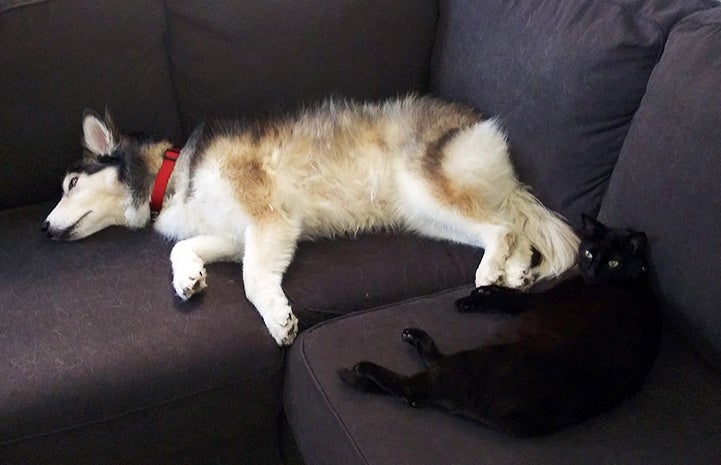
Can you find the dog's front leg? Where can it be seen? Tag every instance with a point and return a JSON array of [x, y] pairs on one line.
[[269, 247], [189, 257]]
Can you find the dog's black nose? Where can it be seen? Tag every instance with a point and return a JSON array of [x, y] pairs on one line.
[[50, 232]]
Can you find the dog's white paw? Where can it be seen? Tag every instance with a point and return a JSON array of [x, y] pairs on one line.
[[188, 277], [519, 275], [489, 274], [282, 325]]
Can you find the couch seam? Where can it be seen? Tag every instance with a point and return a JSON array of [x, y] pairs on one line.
[[692, 19], [329, 406], [9, 5], [333, 316], [171, 74]]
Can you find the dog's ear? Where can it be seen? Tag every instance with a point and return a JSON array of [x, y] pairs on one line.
[[98, 135]]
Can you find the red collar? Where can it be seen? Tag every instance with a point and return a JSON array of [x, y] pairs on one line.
[[161, 181]]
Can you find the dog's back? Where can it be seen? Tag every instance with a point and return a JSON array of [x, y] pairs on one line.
[[336, 167]]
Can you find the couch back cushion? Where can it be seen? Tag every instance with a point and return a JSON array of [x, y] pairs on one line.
[[248, 58], [668, 179], [564, 76], [58, 58]]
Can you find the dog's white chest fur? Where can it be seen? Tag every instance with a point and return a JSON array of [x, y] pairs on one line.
[[210, 210]]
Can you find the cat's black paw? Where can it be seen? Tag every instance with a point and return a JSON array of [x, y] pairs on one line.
[[366, 369], [357, 378], [491, 289], [469, 303], [485, 298], [423, 343], [412, 336]]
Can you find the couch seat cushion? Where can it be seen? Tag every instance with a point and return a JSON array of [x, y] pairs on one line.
[[94, 338], [334, 277], [99, 359], [675, 419]]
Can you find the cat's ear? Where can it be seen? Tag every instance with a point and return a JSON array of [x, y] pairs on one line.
[[638, 243], [591, 228]]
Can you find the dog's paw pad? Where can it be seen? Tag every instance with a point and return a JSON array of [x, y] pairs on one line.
[[490, 276], [283, 327], [189, 279], [519, 277]]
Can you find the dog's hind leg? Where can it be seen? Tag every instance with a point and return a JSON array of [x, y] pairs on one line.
[[269, 247], [189, 257], [496, 239], [458, 192]]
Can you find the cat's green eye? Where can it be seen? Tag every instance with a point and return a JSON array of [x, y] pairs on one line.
[[613, 263], [587, 254]]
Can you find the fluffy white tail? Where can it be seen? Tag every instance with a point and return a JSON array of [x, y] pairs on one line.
[[547, 232]]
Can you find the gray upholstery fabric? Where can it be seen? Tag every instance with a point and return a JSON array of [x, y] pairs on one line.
[[333, 277], [100, 359], [246, 58], [57, 59], [565, 78], [669, 175], [674, 419], [101, 364]]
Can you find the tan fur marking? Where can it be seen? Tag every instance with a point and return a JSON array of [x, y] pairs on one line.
[[246, 174], [465, 201]]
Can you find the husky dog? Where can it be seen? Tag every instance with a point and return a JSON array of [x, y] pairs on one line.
[[249, 192]]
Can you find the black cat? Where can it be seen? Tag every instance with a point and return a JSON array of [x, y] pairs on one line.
[[573, 351]]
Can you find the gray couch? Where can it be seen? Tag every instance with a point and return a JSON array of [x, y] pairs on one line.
[[613, 108]]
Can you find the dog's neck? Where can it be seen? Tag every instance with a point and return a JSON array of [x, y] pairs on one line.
[[162, 179], [143, 174]]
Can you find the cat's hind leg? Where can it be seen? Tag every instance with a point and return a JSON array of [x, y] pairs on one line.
[[351, 377], [387, 381], [424, 344]]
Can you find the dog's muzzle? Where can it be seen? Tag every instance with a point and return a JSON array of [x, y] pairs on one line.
[[61, 234], [54, 233]]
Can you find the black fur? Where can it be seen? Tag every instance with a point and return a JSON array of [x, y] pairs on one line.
[[572, 353], [126, 157], [93, 165]]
